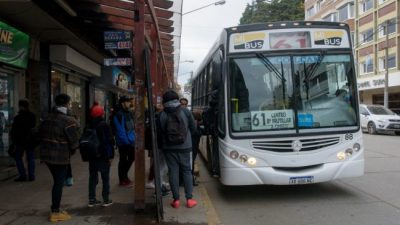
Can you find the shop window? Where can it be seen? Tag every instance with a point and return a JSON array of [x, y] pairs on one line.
[[393, 103]]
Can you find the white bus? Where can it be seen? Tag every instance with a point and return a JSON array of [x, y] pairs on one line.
[[280, 104]]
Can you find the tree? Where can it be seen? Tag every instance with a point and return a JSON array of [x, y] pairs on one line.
[[261, 11]]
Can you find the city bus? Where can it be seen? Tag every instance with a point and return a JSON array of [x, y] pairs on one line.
[[280, 104]]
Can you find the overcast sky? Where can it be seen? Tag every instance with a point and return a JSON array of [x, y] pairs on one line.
[[201, 28]]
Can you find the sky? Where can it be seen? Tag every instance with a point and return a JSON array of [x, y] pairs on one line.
[[201, 28]]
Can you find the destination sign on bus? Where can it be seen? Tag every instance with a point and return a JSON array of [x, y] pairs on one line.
[[283, 39], [272, 119]]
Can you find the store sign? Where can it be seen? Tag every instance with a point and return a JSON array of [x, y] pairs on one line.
[[118, 35], [118, 61], [14, 46], [118, 45]]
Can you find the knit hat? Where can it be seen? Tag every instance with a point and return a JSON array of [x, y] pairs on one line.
[[169, 96], [96, 110]]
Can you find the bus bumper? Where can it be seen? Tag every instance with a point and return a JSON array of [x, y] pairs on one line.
[[275, 176]]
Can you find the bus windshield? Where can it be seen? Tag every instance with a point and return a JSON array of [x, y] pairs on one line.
[[291, 92]]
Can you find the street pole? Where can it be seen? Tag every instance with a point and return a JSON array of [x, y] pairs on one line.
[[385, 93]]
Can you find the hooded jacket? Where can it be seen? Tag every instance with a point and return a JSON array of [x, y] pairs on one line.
[[188, 119]]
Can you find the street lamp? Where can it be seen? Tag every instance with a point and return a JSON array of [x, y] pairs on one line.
[[215, 3]]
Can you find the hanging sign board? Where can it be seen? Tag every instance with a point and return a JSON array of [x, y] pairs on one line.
[[117, 35], [118, 45], [118, 61], [14, 46]]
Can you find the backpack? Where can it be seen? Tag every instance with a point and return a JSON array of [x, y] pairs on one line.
[[89, 144], [175, 128]]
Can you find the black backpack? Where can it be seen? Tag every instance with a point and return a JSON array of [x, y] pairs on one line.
[[175, 128], [89, 144]]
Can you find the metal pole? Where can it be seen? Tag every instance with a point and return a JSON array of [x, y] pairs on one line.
[[385, 92]]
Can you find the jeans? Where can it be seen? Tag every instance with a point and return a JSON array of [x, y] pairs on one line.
[[96, 166], [126, 158], [180, 162], [59, 173], [19, 161]]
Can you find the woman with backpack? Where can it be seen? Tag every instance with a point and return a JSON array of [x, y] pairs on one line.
[[102, 161]]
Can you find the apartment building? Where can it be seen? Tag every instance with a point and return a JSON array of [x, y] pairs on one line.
[[367, 20], [372, 17]]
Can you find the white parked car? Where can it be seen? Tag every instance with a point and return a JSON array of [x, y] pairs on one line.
[[379, 119]]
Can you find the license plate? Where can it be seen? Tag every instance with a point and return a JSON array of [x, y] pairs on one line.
[[301, 180]]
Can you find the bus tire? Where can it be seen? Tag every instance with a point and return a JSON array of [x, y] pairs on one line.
[[371, 128]]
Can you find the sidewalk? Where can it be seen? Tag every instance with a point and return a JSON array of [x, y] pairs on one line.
[[29, 202]]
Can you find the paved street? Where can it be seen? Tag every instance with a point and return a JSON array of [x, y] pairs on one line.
[[369, 200]]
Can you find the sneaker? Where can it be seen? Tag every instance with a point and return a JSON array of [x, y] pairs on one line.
[[20, 179], [93, 203], [107, 203], [69, 181], [191, 203], [175, 204], [59, 216], [150, 185]]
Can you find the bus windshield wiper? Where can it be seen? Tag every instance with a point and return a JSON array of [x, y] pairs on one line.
[[312, 70], [267, 63], [279, 74]]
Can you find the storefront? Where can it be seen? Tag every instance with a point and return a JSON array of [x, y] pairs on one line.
[[14, 49], [113, 83], [371, 90], [70, 74]]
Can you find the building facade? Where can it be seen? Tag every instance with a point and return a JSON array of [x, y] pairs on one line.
[[367, 20], [372, 18]]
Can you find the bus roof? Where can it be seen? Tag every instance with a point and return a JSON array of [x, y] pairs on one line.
[[287, 25]]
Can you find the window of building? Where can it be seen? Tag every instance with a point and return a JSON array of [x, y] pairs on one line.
[[367, 66], [367, 36], [381, 1], [391, 62], [366, 5], [346, 12], [333, 17], [391, 28], [310, 11], [318, 6]]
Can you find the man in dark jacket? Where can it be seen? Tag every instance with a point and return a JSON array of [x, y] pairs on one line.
[[21, 137], [59, 139], [178, 156], [105, 153], [124, 131]]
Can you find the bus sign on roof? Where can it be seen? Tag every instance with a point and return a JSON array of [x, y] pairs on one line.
[[284, 39]]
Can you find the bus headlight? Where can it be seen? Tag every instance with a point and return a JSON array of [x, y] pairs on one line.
[[252, 161], [243, 158], [234, 154], [349, 152], [356, 147], [341, 155]]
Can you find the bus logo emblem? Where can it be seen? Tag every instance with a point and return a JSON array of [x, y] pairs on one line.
[[297, 145], [332, 38], [249, 41]]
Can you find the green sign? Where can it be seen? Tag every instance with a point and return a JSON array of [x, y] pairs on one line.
[[14, 46]]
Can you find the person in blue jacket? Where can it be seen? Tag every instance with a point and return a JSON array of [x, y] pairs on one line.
[[124, 132]]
